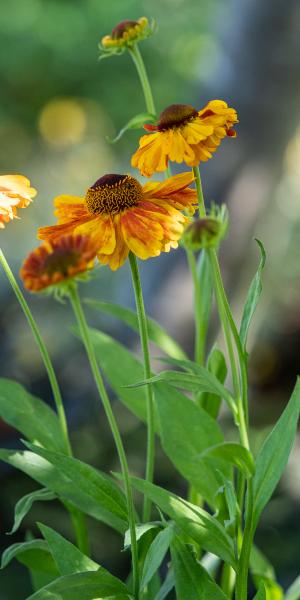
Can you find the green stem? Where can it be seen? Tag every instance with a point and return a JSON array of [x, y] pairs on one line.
[[241, 591], [85, 334], [141, 69], [43, 350], [77, 517], [228, 580], [200, 330], [137, 286], [201, 204]]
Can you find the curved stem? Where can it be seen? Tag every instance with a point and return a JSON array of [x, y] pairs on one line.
[[147, 372], [85, 334], [77, 517], [43, 351], [141, 69]]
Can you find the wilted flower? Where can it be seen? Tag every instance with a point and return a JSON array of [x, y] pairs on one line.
[[15, 192], [55, 263], [184, 134], [122, 215]]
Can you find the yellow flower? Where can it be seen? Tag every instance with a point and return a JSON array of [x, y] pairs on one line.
[[57, 262], [184, 134], [15, 192], [121, 215], [127, 33]]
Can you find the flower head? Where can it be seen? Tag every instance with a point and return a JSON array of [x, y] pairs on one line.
[[184, 134], [121, 215], [208, 231], [58, 261], [125, 34], [15, 192]]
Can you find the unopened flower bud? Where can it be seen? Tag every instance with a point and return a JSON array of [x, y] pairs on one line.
[[202, 233]]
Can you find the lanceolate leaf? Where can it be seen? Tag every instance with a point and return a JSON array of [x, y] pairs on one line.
[[88, 480], [203, 381], [34, 554], [135, 123], [48, 475], [24, 505], [35, 419], [156, 333], [192, 582], [83, 586], [252, 297], [156, 554], [233, 453], [187, 431], [274, 454], [66, 556], [167, 586], [194, 521]]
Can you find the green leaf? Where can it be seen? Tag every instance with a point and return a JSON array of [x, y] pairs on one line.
[[83, 586], [252, 297], [140, 531], [136, 122], [156, 554], [216, 364], [263, 573], [48, 475], [293, 592], [191, 579], [186, 431], [235, 454], [24, 505], [120, 368], [196, 522], [261, 594], [34, 554], [274, 454], [30, 415], [88, 480], [156, 333], [203, 381], [167, 586], [67, 557]]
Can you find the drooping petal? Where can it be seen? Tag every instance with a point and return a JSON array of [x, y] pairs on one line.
[[101, 229], [116, 259]]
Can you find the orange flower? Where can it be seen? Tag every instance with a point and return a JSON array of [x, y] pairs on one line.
[[57, 262], [121, 215], [184, 134], [15, 192]]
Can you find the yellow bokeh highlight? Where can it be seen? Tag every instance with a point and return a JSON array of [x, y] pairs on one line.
[[62, 122]]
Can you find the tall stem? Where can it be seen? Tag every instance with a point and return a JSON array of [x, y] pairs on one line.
[[77, 518], [43, 351], [141, 69], [200, 330], [85, 334], [140, 307]]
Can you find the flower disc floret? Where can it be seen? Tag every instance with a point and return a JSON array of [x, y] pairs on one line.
[[15, 192], [55, 263], [112, 194], [184, 134], [121, 216]]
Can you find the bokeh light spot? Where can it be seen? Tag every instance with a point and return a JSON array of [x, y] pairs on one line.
[[62, 122]]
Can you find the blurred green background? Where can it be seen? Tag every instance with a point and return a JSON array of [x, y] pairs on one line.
[[58, 105]]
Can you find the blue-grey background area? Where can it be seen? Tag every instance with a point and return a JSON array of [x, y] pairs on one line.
[[58, 105]]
